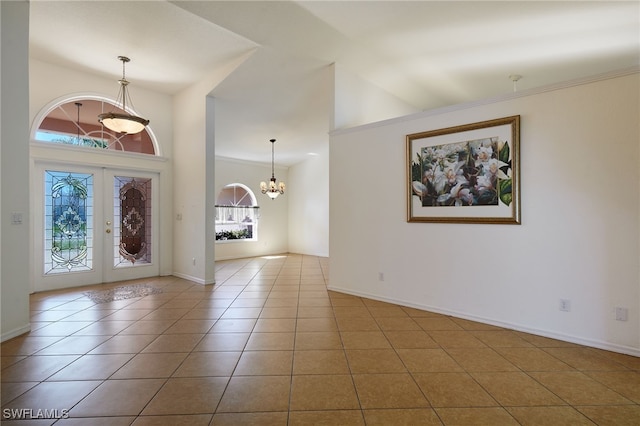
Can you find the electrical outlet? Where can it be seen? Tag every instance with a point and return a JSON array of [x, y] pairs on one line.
[[565, 305], [622, 314]]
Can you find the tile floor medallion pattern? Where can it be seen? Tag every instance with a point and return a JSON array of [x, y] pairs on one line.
[[122, 293], [269, 344]]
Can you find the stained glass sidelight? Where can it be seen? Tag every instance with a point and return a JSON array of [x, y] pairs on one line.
[[132, 221], [68, 222]]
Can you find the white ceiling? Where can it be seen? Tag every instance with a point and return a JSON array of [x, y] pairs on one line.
[[429, 54]]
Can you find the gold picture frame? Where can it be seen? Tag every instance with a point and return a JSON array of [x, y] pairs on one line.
[[465, 174]]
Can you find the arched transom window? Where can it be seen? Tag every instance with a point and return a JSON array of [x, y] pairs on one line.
[[74, 121]]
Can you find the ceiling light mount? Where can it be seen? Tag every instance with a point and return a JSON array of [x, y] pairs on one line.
[[515, 78], [273, 188], [123, 122]]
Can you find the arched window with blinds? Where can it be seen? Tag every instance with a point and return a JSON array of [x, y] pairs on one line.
[[237, 214]]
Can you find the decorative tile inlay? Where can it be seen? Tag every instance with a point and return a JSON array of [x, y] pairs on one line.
[[122, 293]]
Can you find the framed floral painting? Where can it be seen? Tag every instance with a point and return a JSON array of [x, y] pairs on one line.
[[465, 174]]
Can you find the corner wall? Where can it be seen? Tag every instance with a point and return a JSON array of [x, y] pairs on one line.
[[14, 171], [579, 238]]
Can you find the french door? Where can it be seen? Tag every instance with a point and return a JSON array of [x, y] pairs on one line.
[[93, 225]]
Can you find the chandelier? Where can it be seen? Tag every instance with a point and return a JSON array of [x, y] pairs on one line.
[[272, 189], [122, 122]]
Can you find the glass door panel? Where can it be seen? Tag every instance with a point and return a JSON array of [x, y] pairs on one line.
[[95, 225]]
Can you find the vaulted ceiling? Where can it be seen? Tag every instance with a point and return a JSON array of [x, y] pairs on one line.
[[427, 54]]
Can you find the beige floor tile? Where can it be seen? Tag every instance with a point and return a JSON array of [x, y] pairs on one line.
[[256, 394], [208, 364], [174, 343], [318, 340], [250, 419], [124, 344], [516, 389], [323, 392], [204, 313], [585, 359], [270, 341], [351, 312], [179, 420], [362, 361], [576, 388], [314, 311], [92, 367], [501, 339], [397, 323], [387, 311], [494, 416], [52, 396], [118, 398], [410, 339], [480, 359], [320, 362], [36, 368], [104, 328], [533, 359], [549, 416], [269, 344], [264, 363], [11, 390], [326, 417], [364, 340], [188, 395], [279, 312], [357, 324], [148, 327], [275, 325], [150, 365], [409, 416], [453, 390], [626, 383], [437, 323], [456, 339], [27, 345], [622, 415], [190, 326], [428, 361], [233, 326], [316, 324], [97, 421], [388, 391], [238, 313], [73, 345]]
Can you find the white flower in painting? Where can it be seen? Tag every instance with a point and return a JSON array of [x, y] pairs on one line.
[[484, 155], [492, 169], [461, 195]]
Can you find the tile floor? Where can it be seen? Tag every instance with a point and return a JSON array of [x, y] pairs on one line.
[[269, 345]]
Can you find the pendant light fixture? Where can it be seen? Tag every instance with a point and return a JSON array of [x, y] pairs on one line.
[[272, 189], [122, 122]]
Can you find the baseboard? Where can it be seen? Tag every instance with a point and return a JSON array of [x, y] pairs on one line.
[[194, 279], [15, 332], [627, 350]]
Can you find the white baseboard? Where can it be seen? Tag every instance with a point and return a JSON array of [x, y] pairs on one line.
[[15, 332]]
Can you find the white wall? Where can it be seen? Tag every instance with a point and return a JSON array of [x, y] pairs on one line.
[[14, 170], [273, 227], [579, 237], [308, 194]]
